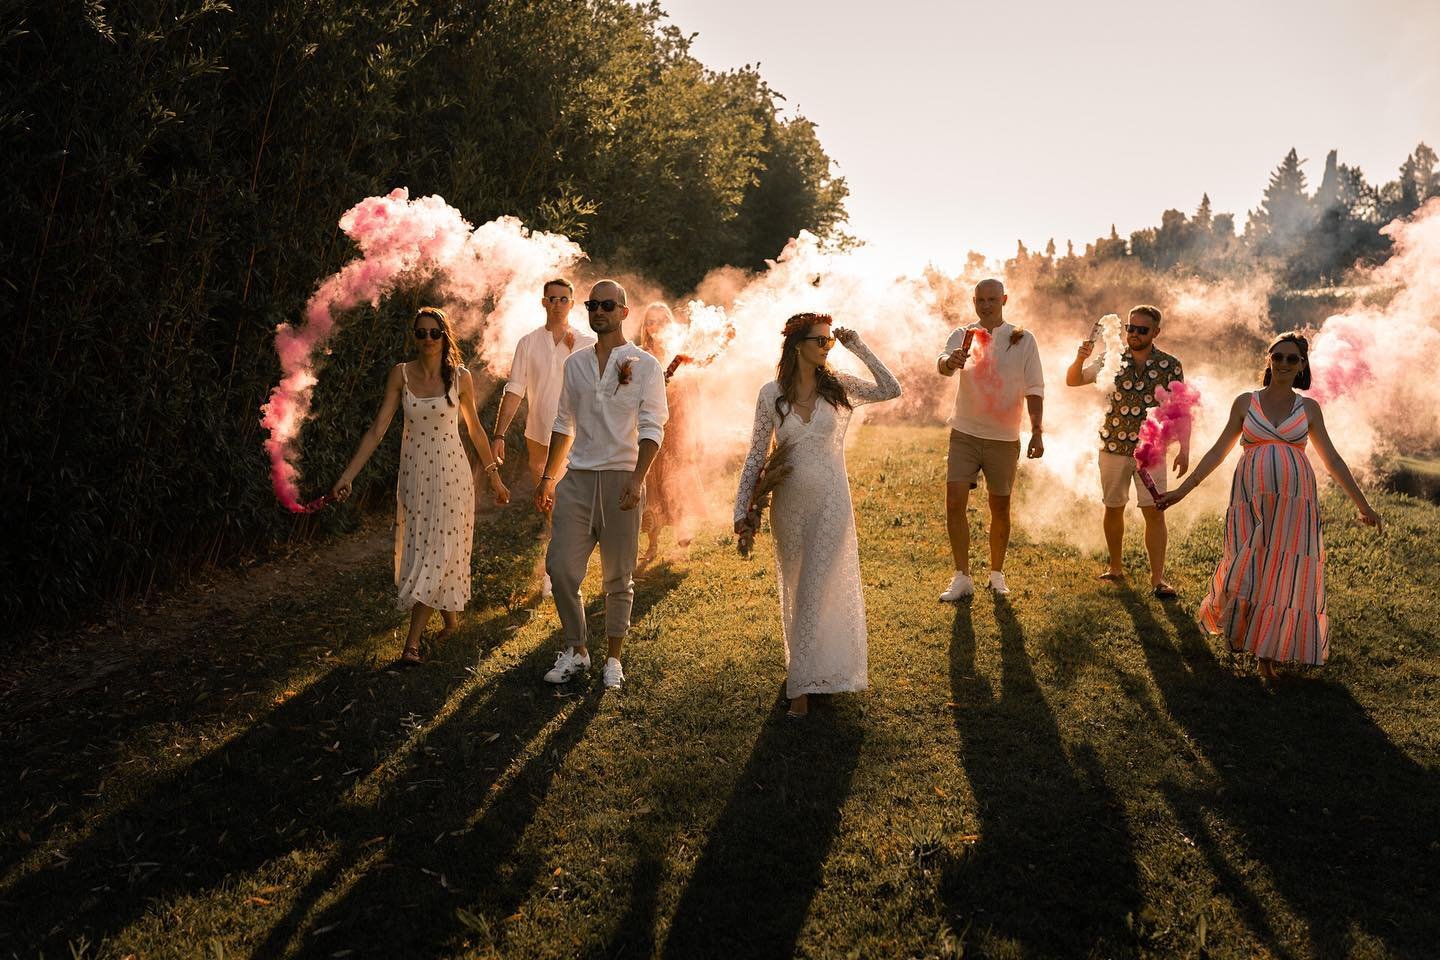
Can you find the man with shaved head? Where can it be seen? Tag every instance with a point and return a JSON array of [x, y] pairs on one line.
[[610, 422], [993, 390]]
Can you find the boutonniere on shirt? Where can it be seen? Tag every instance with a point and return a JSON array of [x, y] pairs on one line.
[[1015, 336], [569, 339], [622, 375]]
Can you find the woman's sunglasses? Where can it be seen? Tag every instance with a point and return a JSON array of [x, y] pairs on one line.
[[434, 333], [826, 342], [1285, 358]]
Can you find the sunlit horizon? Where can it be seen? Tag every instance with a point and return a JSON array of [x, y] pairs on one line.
[[965, 127]]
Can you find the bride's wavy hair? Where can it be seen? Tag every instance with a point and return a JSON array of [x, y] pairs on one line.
[[450, 359], [787, 371]]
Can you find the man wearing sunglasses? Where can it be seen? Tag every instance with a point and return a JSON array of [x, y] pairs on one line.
[[536, 373], [990, 397], [1142, 369], [609, 422]]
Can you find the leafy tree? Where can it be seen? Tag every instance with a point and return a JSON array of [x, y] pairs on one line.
[[173, 174]]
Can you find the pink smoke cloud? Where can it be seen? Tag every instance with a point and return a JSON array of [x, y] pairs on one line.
[[1169, 420], [482, 273]]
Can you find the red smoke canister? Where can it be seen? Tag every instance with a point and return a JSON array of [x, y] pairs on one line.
[[965, 345]]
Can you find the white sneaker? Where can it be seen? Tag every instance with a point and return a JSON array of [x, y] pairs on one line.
[[960, 586], [568, 665], [545, 589], [997, 584], [614, 674]]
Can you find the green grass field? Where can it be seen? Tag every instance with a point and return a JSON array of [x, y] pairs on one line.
[[1075, 773]]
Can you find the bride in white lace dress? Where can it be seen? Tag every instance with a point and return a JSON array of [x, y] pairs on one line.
[[821, 603]]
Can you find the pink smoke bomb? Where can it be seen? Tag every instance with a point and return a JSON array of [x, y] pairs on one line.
[[1149, 482]]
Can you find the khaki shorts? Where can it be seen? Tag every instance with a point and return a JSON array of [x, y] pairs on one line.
[[971, 456], [1117, 475]]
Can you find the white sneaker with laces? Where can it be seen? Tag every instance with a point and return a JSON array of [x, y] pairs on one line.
[[568, 665], [960, 586], [545, 589], [997, 584], [614, 674]]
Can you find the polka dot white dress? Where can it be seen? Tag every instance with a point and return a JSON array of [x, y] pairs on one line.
[[434, 504]]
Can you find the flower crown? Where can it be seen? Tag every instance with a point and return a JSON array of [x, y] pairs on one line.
[[804, 321]]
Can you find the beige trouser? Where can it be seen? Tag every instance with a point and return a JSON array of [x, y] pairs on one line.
[[586, 514]]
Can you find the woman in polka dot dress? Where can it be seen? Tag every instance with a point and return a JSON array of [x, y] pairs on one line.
[[435, 494]]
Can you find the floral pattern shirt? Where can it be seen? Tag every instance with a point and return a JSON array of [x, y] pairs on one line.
[[1134, 394]]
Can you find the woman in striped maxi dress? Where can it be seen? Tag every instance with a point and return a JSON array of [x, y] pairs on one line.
[[1268, 594]]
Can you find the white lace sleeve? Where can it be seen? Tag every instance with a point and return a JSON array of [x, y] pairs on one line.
[[885, 387], [759, 448]]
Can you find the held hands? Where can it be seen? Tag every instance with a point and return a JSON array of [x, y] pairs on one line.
[[497, 449], [1036, 449], [498, 488], [545, 496], [634, 490], [847, 337], [1169, 498]]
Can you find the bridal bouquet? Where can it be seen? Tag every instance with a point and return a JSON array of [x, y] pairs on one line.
[[777, 467]]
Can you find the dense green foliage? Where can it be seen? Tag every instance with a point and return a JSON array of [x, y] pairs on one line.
[[173, 174]]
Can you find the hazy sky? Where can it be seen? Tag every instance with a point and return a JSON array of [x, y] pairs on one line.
[[968, 126]]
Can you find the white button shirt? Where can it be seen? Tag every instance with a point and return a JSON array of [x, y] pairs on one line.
[[537, 372], [607, 418], [992, 411]]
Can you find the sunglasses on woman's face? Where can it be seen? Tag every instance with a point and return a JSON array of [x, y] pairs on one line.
[[826, 342], [434, 333], [595, 306], [1285, 358]]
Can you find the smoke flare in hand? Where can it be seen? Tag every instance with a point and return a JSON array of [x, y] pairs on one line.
[[1170, 420]]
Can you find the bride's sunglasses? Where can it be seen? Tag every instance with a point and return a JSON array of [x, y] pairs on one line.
[[434, 333]]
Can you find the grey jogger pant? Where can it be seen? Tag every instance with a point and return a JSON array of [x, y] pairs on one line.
[[586, 514]]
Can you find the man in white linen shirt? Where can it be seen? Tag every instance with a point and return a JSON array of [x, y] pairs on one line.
[[536, 373], [610, 422], [985, 429]]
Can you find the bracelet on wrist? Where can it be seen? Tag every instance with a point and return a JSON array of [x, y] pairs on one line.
[[546, 476], [493, 467]]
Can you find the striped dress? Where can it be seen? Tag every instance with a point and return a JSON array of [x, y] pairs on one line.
[[1268, 594]]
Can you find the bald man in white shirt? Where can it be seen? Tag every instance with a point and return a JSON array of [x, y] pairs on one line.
[[609, 423], [985, 430]]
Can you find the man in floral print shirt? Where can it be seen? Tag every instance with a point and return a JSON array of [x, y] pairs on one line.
[[1142, 369]]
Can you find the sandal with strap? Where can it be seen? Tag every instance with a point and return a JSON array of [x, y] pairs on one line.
[[1163, 591]]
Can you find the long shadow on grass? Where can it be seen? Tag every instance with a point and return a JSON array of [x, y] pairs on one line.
[[456, 841], [279, 786], [1342, 821], [751, 889], [1053, 870]]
